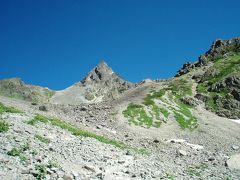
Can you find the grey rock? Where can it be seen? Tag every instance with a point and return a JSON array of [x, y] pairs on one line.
[[211, 159], [234, 147], [89, 168], [182, 152], [233, 162], [189, 101], [42, 108], [67, 177], [25, 171], [201, 97]]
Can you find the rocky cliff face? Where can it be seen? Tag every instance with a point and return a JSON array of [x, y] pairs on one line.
[[101, 84]]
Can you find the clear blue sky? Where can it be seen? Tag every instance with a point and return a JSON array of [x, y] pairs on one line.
[[54, 43]]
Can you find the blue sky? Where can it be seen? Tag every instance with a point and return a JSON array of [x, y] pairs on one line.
[[55, 43]]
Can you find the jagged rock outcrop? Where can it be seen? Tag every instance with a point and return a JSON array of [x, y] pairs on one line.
[[16, 88], [219, 48], [101, 84], [221, 79]]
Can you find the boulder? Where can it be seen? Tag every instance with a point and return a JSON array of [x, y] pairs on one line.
[[236, 94], [234, 162], [189, 101], [182, 152], [201, 97], [42, 108]]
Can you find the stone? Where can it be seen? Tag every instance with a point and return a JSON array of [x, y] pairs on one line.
[[195, 146], [234, 162], [75, 174], [234, 147], [42, 108], [189, 101], [201, 97], [67, 177], [83, 109], [176, 141], [89, 168], [25, 171], [34, 172], [129, 153], [100, 176], [156, 141], [121, 161], [211, 159], [182, 152], [236, 94]]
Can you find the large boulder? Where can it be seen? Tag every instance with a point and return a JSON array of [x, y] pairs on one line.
[[234, 162]]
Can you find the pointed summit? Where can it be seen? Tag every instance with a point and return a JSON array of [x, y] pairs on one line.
[[104, 68], [100, 84], [103, 63], [99, 73]]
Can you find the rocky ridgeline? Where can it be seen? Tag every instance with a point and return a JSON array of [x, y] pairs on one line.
[[16, 88], [219, 48], [101, 84]]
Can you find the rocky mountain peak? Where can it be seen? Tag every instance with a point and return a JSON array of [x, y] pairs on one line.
[[99, 73], [100, 84], [103, 65]]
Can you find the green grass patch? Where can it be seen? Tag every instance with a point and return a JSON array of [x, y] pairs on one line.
[[226, 67], [41, 171], [184, 116], [17, 152], [42, 139], [14, 152], [7, 109], [53, 164], [149, 100], [137, 115], [196, 170], [212, 105], [201, 88], [4, 126], [76, 131], [180, 88], [25, 147], [185, 122], [49, 94], [164, 112]]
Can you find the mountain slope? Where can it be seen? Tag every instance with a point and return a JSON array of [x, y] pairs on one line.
[[101, 84], [16, 88], [217, 73], [214, 80]]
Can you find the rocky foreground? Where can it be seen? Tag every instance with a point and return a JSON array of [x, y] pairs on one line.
[[45, 151]]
